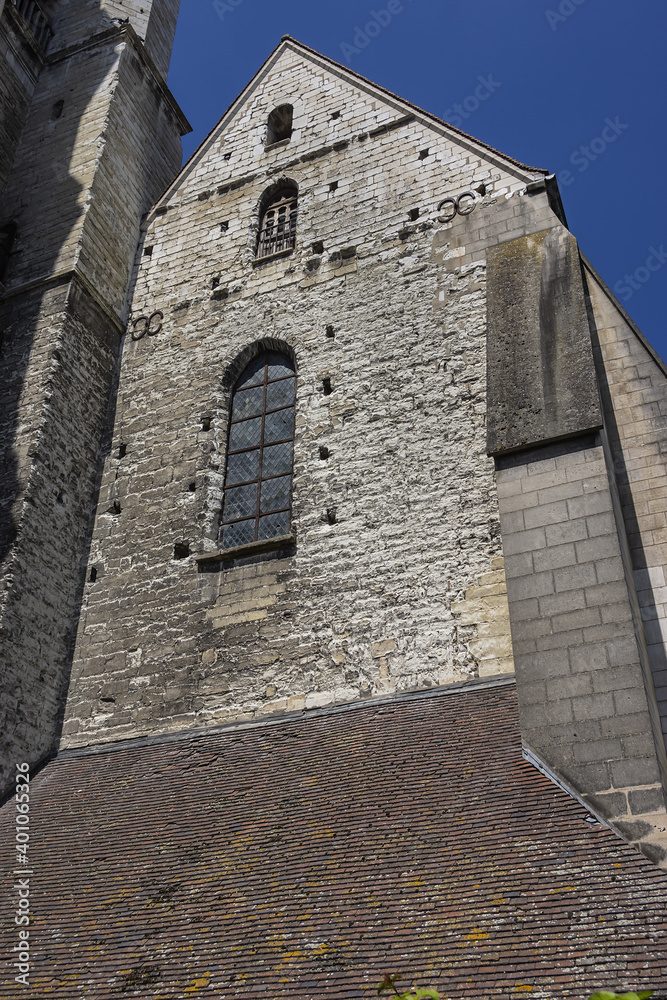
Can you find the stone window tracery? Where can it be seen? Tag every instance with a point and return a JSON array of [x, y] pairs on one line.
[[277, 227], [258, 481]]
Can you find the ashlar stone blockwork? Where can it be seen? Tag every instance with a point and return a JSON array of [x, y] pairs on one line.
[[587, 705], [20, 64], [77, 203], [153, 20], [633, 387]]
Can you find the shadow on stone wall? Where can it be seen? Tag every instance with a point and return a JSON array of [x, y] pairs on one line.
[[43, 199], [636, 554], [76, 200]]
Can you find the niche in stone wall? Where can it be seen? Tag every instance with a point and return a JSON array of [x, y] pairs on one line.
[[280, 124]]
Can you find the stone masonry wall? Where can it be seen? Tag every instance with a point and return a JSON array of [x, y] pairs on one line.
[[390, 308], [73, 205], [153, 20], [62, 410], [578, 657], [634, 392], [485, 606], [19, 68], [61, 178], [78, 204]]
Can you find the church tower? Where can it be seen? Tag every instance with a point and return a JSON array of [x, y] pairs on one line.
[[90, 136]]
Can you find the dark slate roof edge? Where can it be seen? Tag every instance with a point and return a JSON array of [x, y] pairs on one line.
[[533, 758], [194, 734], [628, 319]]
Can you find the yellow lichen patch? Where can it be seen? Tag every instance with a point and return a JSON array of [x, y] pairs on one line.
[[476, 935], [523, 987], [199, 984]]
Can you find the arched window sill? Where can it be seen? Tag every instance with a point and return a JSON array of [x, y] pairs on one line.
[[278, 144], [251, 549], [273, 256]]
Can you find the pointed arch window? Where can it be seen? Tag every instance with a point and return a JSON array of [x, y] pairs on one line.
[[258, 482], [277, 226]]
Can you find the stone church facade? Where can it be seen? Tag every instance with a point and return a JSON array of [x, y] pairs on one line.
[[333, 433]]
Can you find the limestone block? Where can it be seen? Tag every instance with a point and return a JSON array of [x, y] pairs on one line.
[[541, 377]]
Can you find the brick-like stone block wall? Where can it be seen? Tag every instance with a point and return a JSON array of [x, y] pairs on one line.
[[366, 604], [153, 20], [160, 31], [78, 202], [102, 163], [633, 384], [581, 679], [47, 488], [20, 63], [485, 607]]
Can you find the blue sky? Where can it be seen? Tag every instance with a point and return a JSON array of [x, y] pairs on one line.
[[579, 87]]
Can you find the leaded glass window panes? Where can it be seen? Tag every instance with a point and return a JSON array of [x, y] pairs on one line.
[[258, 482]]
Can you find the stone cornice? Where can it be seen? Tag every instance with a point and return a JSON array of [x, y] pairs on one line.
[[64, 277]]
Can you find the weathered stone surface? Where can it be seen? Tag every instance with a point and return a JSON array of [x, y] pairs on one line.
[[541, 377], [485, 606], [153, 20], [633, 388], [391, 578], [581, 665], [101, 161], [20, 63], [397, 325]]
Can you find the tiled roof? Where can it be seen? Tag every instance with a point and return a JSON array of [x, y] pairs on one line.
[[305, 858]]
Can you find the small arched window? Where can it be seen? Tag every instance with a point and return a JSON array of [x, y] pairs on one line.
[[258, 482], [277, 224], [279, 124]]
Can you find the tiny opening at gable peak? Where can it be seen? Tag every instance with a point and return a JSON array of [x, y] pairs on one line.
[[280, 124]]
